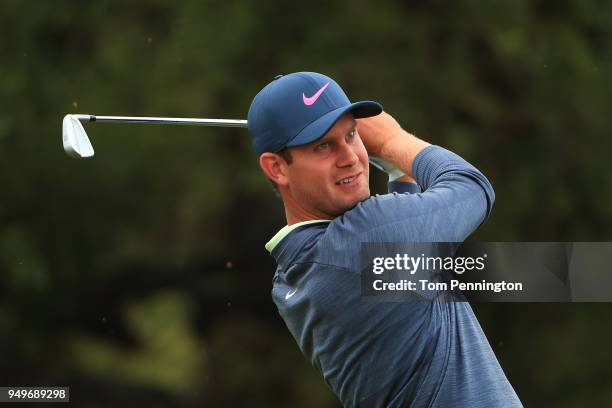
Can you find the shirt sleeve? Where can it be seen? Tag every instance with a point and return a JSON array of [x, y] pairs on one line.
[[403, 187], [455, 199]]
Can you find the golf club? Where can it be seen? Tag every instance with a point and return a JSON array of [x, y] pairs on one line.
[[77, 144]]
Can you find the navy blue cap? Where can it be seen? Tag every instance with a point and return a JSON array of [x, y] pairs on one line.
[[299, 108]]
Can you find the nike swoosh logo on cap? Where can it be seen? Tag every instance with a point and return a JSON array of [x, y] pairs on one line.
[[290, 293], [313, 98]]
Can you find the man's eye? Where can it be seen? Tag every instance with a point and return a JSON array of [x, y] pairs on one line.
[[351, 135], [323, 146]]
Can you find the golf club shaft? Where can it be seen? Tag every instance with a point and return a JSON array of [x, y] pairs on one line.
[[174, 121], [75, 140]]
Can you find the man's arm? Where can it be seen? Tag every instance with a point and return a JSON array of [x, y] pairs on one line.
[[456, 197]]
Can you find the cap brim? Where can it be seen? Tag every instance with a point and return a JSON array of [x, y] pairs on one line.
[[317, 129]]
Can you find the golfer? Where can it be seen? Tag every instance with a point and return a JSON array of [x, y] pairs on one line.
[[313, 145]]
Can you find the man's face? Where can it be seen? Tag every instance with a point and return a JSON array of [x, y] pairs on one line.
[[331, 175]]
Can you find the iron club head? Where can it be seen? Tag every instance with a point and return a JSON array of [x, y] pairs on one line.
[[76, 142]]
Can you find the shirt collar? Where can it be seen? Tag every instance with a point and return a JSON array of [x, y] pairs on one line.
[[285, 231]]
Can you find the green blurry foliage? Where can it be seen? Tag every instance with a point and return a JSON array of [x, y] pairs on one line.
[[167, 355]]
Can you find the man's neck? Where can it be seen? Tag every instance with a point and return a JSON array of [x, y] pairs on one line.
[[299, 215], [295, 213]]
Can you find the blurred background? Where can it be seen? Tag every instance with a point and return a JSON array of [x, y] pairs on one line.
[[139, 277]]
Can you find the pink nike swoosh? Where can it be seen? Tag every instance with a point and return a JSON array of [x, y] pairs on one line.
[[313, 98]]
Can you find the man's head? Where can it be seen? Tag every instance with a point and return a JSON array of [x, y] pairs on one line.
[[303, 128]]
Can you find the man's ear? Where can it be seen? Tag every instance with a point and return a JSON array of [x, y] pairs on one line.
[[274, 167]]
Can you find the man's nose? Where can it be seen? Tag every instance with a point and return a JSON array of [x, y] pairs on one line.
[[347, 156]]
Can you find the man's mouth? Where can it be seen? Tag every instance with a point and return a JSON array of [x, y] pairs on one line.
[[348, 180]]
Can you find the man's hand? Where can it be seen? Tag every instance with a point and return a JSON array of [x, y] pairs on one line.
[[383, 137], [376, 131]]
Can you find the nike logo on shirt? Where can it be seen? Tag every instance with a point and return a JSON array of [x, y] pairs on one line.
[[309, 101]]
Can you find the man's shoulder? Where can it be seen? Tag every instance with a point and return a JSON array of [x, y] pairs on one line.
[[346, 230], [375, 212], [322, 243], [337, 242]]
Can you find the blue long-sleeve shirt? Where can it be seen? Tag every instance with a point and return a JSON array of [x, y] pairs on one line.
[[418, 354]]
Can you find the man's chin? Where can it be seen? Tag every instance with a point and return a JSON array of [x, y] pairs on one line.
[[353, 203]]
